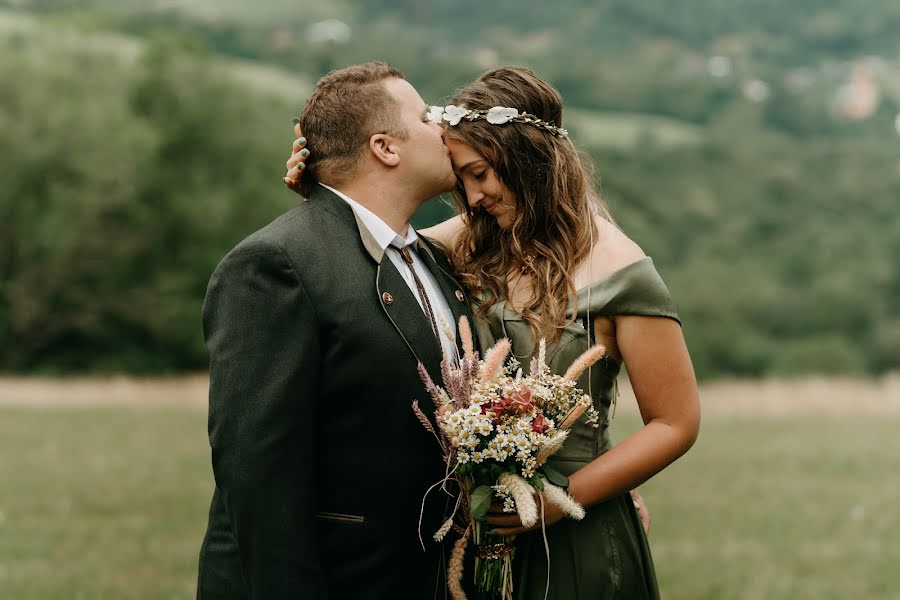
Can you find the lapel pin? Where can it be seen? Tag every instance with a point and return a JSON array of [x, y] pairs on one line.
[[460, 296], [387, 298]]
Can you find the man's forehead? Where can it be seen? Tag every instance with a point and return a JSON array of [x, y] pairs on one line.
[[405, 92]]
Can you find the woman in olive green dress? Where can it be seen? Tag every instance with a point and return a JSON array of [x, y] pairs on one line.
[[536, 245]]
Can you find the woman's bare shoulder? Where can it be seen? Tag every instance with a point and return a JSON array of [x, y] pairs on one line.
[[612, 251], [617, 249]]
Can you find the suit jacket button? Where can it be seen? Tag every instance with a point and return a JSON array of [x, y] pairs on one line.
[[387, 298], [460, 296]]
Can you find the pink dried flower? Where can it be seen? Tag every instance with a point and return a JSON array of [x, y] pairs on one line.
[[432, 389], [465, 334], [573, 416], [494, 360], [455, 568], [590, 356]]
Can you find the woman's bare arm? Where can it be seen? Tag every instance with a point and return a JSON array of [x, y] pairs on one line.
[[447, 232], [662, 377]]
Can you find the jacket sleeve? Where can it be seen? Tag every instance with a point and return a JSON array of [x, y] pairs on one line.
[[261, 331]]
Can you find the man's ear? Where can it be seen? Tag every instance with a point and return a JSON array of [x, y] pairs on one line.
[[383, 148]]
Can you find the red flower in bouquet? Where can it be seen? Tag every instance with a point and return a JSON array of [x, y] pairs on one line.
[[521, 400], [539, 424]]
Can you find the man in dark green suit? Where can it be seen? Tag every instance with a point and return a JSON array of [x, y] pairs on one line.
[[315, 325]]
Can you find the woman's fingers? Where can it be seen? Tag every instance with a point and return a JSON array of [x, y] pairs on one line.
[[299, 154], [295, 171], [511, 531], [643, 512], [504, 520], [295, 164]]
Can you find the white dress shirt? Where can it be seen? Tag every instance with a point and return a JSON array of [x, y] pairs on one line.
[[390, 241]]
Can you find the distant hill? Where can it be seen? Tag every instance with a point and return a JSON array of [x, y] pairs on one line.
[[751, 149]]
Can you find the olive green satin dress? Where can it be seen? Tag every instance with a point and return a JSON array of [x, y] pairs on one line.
[[605, 555]]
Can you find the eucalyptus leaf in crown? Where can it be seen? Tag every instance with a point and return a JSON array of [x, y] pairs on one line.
[[497, 428]]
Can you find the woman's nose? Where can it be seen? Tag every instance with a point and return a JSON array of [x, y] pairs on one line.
[[475, 197]]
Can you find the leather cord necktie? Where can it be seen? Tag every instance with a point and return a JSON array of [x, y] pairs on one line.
[[426, 304]]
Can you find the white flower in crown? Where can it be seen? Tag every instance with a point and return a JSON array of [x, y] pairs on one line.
[[500, 115], [436, 114], [453, 114]]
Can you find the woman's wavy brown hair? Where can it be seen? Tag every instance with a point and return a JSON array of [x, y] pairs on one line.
[[551, 187]]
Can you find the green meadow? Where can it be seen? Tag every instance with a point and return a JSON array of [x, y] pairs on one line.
[[109, 500]]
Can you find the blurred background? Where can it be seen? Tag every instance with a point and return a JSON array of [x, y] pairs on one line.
[[751, 147]]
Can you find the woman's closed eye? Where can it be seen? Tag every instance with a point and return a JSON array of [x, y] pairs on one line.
[[479, 176]]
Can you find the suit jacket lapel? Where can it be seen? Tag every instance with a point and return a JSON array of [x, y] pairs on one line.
[[450, 288], [404, 311], [394, 295], [397, 300]]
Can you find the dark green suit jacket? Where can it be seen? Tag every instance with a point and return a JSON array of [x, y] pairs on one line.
[[320, 464]]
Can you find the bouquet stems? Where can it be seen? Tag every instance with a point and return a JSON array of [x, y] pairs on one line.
[[493, 564]]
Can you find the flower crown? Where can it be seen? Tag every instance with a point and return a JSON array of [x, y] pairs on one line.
[[497, 115]]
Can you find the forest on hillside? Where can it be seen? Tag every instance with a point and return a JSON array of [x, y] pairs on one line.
[[752, 148]]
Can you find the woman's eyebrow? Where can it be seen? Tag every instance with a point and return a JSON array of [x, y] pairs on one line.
[[469, 164]]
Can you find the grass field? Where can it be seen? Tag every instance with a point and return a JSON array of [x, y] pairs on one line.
[[791, 491]]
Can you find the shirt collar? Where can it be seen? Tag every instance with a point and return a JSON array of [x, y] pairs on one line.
[[381, 231]]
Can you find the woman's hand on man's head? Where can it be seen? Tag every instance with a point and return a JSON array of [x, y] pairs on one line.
[[296, 164]]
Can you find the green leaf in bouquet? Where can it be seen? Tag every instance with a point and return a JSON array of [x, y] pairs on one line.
[[483, 474], [555, 477], [480, 501], [491, 536]]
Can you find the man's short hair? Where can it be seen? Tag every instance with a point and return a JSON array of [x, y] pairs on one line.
[[347, 107]]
